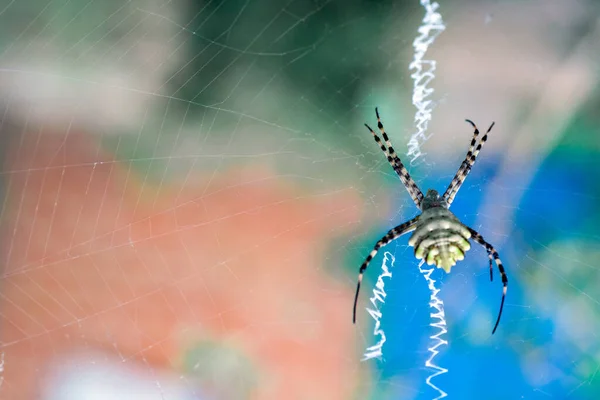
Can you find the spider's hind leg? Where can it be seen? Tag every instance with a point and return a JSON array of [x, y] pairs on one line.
[[392, 235], [493, 254]]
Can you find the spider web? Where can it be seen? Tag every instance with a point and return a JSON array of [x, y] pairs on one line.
[[188, 192]]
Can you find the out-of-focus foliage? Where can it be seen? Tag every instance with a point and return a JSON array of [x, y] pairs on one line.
[[189, 190]]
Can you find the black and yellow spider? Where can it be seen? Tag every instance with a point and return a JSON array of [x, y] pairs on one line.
[[439, 237]]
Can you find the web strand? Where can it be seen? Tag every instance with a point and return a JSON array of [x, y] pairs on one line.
[[439, 322], [378, 299], [424, 72]]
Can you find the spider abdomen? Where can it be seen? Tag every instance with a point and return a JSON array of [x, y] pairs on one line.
[[440, 238]]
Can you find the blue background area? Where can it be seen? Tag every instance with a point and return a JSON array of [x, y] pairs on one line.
[[559, 205]]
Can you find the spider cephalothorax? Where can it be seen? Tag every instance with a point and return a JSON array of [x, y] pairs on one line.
[[439, 237]]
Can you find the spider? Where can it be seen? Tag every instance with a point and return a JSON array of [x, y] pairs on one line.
[[439, 237]]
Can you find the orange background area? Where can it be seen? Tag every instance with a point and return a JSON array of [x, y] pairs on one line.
[[96, 260]]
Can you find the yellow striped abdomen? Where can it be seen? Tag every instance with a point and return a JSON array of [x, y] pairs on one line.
[[440, 238]]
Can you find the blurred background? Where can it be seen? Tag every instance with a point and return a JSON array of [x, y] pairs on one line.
[[188, 190]]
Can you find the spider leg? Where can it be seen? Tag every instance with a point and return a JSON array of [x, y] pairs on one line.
[[392, 235], [396, 163], [492, 253], [467, 164]]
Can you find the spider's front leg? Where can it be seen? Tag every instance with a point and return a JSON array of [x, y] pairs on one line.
[[492, 253], [467, 164], [408, 182], [392, 235]]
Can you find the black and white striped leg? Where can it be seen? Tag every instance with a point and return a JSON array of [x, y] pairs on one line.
[[403, 171], [396, 163], [493, 254], [467, 164], [392, 235]]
